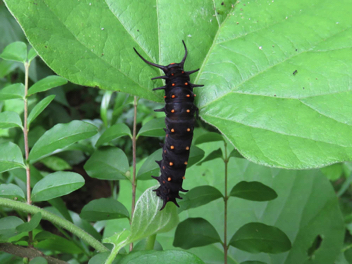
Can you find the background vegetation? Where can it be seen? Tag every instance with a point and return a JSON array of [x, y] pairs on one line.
[[277, 86]]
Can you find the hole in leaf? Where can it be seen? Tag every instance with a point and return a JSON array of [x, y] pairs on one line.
[[315, 246]]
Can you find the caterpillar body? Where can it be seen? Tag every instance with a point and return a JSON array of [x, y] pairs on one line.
[[180, 110]]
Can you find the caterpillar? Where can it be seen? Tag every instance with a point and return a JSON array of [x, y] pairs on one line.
[[179, 109]]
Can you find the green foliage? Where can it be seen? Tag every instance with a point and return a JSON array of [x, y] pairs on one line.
[[277, 85]]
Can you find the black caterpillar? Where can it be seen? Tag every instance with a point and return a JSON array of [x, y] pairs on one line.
[[179, 109]]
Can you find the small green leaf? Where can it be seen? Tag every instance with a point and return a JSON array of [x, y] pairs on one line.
[[108, 163], [61, 136], [13, 91], [46, 84], [31, 54], [38, 260], [199, 196], [112, 133], [148, 219], [6, 67], [11, 191], [165, 256], [253, 262], [39, 107], [16, 51], [258, 237], [253, 191], [10, 119], [333, 172], [31, 225], [212, 155], [150, 167], [56, 184], [195, 232], [153, 128], [53, 242], [104, 209], [55, 163], [235, 154], [208, 137], [195, 155], [10, 157]]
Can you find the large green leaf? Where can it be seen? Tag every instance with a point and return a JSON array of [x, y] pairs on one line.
[[10, 119], [61, 136], [277, 74], [104, 209]]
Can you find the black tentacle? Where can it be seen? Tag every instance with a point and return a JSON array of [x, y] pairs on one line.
[[180, 110]]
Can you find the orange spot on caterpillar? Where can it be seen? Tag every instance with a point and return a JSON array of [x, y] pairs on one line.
[[186, 162], [184, 177], [173, 96], [186, 83], [164, 182], [194, 95], [172, 147], [163, 167], [171, 163], [188, 95], [188, 129], [188, 110], [183, 72], [172, 74], [172, 63], [165, 96], [173, 84], [173, 111], [165, 151], [169, 179], [187, 148], [172, 130]]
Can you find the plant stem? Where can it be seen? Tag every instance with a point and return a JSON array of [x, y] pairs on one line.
[[134, 140], [150, 242], [56, 220], [225, 211], [26, 148]]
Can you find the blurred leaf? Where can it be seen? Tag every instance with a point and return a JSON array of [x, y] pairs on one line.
[[108, 163], [208, 137], [13, 91], [31, 54], [50, 241], [31, 225], [199, 196], [38, 260], [195, 155], [166, 256], [253, 191], [105, 101], [253, 262], [212, 155], [46, 84], [55, 163], [61, 136], [258, 237], [333, 172], [104, 209], [55, 185], [16, 51], [113, 132], [153, 128], [10, 157], [10, 119], [39, 107], [195, 232], [11, 191], [8, 226]]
